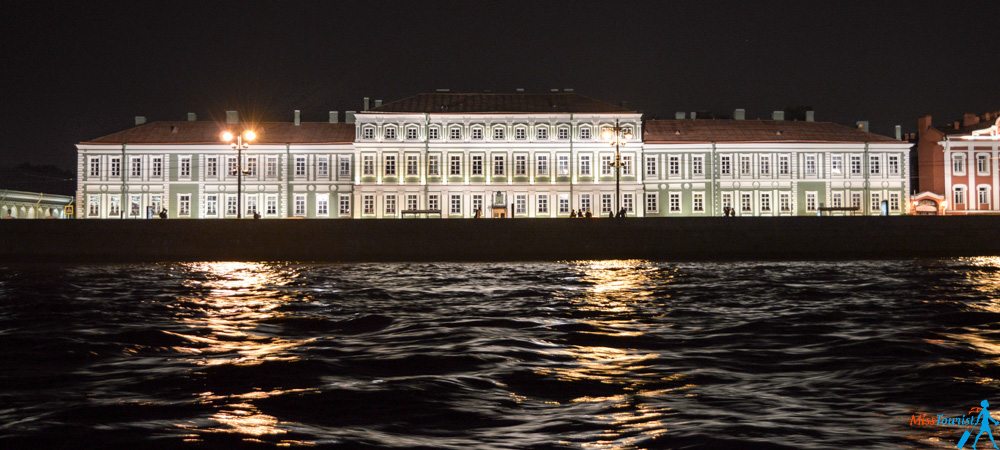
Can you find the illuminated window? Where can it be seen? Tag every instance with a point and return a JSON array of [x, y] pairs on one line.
[[390, 133]]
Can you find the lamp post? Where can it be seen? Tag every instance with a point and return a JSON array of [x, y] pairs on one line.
[[239, 142], [617, 137]]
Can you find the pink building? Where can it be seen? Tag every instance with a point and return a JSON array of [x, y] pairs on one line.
[[960, 163]]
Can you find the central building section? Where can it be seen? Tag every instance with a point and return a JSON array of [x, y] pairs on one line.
[[517, 155]]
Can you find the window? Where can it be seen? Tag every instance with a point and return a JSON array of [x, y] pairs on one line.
[[368, 204], [837, 164], [211, 167], [95, 168], [272, 167], [115, 208], [251, 169], [520, 133], [542, 165], [628, 202], [368, 165], [344, 168], [765, 166], [211, 205], [984, 195], [675, 202], [541, 133], [584, 165], [390, 165], [856, 200], [982, 164], [135, 165], [563, 203], [674, 165], [855, 165], [959, 196], [231, 167], [498, 134], [562, 165], [726, 165], [322, 204], [765, 202], [520, 204], [300, 206], [231, 205], [837, 200], [957, 164], [894, 201], [412, 165], [390, 133], [94, 205], [116, 167], [543, 204], [344, 204], [605, 165], [811, 201], [477, 134], [893, 165], [251, 205], [156, 202], [186, 167], [271, 205], [606, 203], [434, 133], [433, 165], [627, 165], [158, 167], [455, 204], [745, 165], [650, 166], [585, 133], [300, 166], [390, 205], [784, 165], [785, 202], [412, 202], [322, 167], [455, 166], [183, 205], [411, 134], [727, 199], [585, 203], [477, 165], [455, 133], [810, 165], [434, 202], [477, 202], [133, 205], [876, 199], [875, 164], [562, 134], [521, 165], [698, 201], [698, 165], [368, 133], [498, 161], [746, 202]]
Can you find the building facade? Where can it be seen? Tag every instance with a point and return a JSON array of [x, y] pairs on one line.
[[460, 155], [34, 205], [961, 164]]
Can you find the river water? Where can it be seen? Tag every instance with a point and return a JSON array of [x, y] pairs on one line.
[[587, 354]]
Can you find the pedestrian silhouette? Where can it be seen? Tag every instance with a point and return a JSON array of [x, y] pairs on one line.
[[163, 214], [984, 420]]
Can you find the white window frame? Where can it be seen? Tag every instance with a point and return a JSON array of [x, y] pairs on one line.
[[389, 168], [455, 165], [183, 205], [390, 205], [541, 165], [323, 205], [184, 167], [300, 166], [520, 165], [698, 202], [542, 203], [368, 204], [344, 205], [299, 205], [389, 133]]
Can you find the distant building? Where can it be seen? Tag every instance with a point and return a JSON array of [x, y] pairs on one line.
[[959, 163], [498, 155], [34, 205]]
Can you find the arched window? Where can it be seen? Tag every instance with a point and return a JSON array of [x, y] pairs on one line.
[[455, 133], [520, 133], [477, 133], [585, 132], [368, 132], [498, 133], [412, 133], [541, 132], [983, 195], [563, 133], [390, 133], [434, 132], [959, 195]]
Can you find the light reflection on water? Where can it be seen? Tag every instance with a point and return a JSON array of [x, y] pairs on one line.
[[586, 354]]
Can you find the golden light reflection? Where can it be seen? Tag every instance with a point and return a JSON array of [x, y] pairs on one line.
[[987, 281]]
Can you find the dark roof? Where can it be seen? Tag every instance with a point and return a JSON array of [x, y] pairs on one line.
[[182, 132], [697, 130], [549, 102], [951, 131]]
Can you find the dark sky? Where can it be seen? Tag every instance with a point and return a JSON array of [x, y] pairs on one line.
[[77, 70]]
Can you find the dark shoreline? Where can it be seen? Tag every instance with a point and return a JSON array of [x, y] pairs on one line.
[[669, 239]]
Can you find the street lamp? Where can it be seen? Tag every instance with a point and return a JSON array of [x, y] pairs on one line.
[[239, 142], [617, 137]]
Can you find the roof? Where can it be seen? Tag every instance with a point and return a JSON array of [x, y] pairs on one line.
[[549, 102], [708, 130], [966, 130], [183, 132]]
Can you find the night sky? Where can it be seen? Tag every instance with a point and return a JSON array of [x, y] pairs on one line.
[[77, 70]]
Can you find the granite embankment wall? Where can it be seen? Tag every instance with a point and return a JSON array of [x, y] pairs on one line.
[[716, 238]]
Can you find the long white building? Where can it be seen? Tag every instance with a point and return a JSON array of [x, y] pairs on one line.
[[456, 155]]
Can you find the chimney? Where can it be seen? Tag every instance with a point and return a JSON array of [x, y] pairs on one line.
[[378, 102], [365, 102], [778, 115], [899, 132], [349, 116], [232, 117], [334, 118], [680, 115], [139, 120], [192, 117], [810, 116], [862, 125], [956, 125], [298, 118], [923, 123], [969, 119], [740, 114], [694, 114]]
